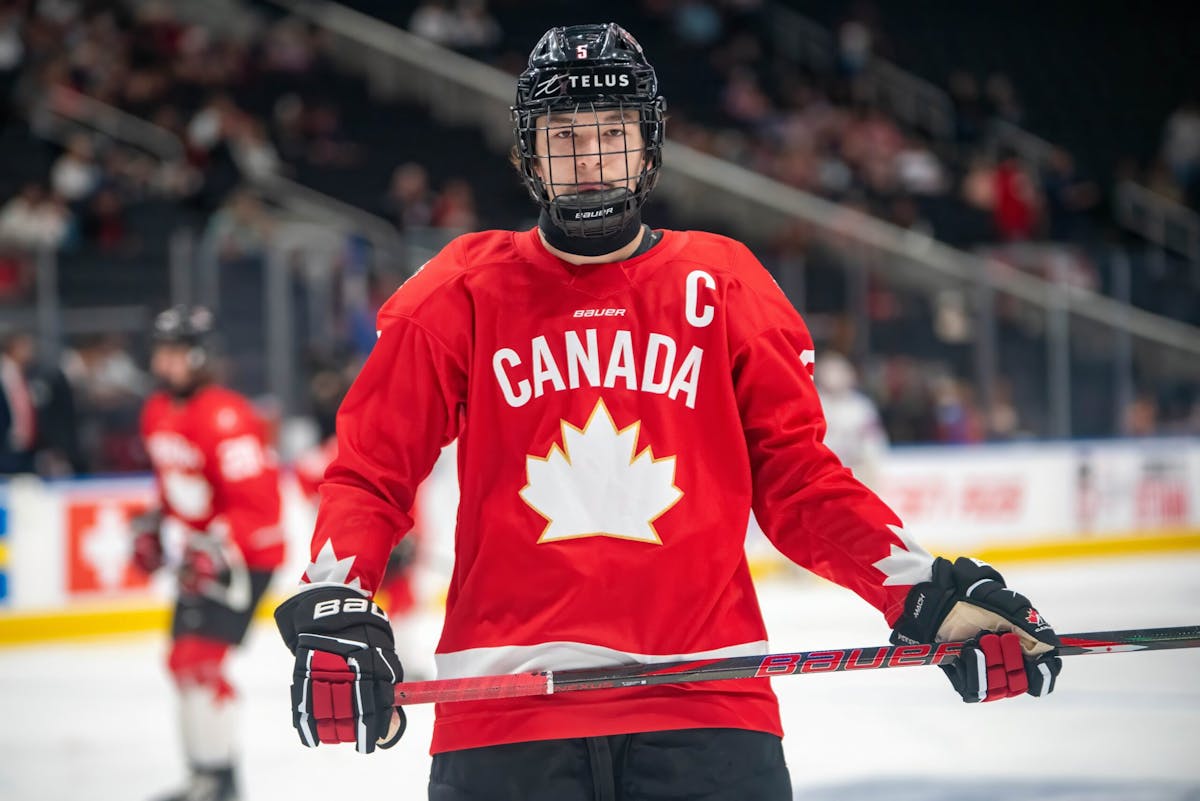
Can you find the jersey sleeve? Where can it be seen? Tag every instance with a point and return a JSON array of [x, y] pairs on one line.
[[147, 420], [404, 406], [245, 478], [810, 506]]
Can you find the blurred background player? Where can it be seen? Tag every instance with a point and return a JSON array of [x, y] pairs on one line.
[[216, 476], [854, 431], [397, 591]]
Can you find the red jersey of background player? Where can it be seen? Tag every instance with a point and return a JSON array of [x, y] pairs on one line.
[[215, 471], [619, 422]]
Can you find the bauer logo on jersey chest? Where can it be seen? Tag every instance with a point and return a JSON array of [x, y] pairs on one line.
[[599, 313]]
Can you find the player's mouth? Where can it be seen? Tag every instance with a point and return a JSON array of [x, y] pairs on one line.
[[596, 187]]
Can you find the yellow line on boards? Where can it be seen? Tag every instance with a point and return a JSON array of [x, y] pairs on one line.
[[20, 628], [1038, 550]]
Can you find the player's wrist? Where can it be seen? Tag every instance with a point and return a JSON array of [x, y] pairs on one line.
[[926, 606]]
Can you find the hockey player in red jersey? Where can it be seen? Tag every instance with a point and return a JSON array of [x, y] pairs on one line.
[[217, 478], [622, 398]]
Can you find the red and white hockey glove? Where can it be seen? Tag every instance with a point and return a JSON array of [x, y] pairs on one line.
[[148, 553], [1010, 647], [204, 569], [345, 667]]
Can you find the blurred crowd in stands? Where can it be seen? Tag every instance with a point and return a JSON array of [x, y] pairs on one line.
[[243, 103]]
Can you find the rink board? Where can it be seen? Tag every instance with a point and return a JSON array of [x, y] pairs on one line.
[[65, 545]]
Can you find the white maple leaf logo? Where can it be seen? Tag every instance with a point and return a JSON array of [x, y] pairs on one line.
[[328, 567], [911, 564], [597, 485]]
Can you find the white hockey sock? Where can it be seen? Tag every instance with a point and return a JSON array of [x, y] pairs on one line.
[[207, 723]]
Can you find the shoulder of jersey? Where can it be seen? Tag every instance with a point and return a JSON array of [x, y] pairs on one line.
[[726, 255], [225, 411], [154, 406], [462, 255]]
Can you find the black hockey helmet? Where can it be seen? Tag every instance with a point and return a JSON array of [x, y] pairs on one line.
[[588, 68], [190, 326]]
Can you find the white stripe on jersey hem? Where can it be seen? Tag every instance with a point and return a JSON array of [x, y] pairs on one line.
[[510, 659]]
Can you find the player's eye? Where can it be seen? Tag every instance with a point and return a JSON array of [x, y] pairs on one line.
[[615, 132]]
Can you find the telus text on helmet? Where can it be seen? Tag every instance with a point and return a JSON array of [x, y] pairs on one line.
[[556, 83]]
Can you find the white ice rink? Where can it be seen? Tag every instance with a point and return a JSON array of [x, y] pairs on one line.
[[93, 722]]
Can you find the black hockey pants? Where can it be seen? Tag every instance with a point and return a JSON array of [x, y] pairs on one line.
[[679, 765]]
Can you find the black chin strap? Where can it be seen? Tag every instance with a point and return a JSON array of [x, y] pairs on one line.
[[186, 392], [590, 245]]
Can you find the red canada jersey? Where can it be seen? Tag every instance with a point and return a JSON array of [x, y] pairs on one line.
[[616, 424], [215, 471]]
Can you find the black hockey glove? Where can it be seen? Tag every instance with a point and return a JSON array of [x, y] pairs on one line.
[[346, 665], [1010, 647]]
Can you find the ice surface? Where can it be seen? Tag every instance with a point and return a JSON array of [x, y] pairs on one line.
[[94, 721]]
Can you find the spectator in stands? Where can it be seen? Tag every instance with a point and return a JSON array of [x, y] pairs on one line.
[[329, 145], [1004, 422], [288, 48], [59, 451], [104, 221], [906, 404], [34, 220], [696, 24], [75, 175], [287, 127], [12, 56], [108, 388], [477, 32], [958, 418], [409, 200], [918, 169], [434, 20], [18, 417], [210, 124], [969, 116], [242, 228], [454, 208], [854, 47], [1181, 150], [1017, 209], [871, 141], [1069, 197], [252, 150], [1140, 417], [1002, 98], [743, 99]]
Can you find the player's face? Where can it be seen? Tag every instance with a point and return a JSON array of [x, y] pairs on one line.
[[589, 151], [172, 366]]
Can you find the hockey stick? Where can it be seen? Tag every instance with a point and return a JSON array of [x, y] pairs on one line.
[[547, 682]]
